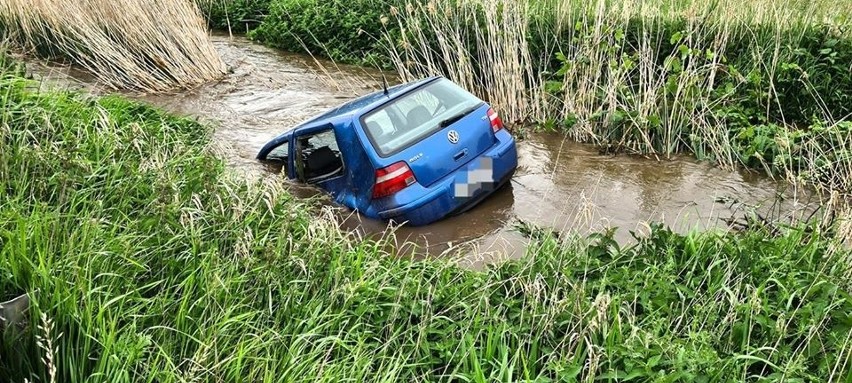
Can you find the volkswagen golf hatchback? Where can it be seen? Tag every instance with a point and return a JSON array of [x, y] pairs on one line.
[[414, 153]]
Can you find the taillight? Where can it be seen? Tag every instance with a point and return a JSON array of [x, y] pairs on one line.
[[392, 179], [496, 122]]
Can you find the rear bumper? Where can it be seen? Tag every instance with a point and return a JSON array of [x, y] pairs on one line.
[[460, 191]]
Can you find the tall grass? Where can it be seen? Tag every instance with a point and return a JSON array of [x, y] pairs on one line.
[[145, 261], [439, 38], [137, 44]]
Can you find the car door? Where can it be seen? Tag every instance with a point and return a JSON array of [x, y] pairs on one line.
[[317, 158], [278, 151]]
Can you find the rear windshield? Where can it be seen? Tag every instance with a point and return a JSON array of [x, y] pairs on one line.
[[417, 115]]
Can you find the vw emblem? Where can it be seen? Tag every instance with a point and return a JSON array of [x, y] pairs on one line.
[[453, 136]]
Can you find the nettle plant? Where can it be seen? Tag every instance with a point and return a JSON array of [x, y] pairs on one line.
[[633, 92]]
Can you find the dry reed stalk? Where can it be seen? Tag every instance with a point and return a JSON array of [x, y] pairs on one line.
[[844, 231], [826, 168], [144, 45], [497, 66], [45, 341]]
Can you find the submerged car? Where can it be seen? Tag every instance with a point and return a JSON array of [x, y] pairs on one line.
[[415, 152]]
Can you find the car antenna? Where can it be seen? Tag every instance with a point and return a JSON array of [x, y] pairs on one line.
[[385, 83]]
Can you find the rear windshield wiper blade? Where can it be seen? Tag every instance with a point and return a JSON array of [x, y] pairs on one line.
[[449, 121]]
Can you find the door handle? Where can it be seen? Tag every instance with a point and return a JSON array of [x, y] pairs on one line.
[[460, 154]]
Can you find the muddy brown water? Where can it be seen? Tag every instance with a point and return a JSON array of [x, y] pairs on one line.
[[559, 184]]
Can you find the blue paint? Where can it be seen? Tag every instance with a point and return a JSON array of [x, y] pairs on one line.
[[454, 139]]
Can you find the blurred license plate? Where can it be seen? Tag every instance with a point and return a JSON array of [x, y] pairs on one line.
[[478, 175]]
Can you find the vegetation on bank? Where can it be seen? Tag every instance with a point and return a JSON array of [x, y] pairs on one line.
[[124, 44], [740, 83], [145, 261], [345, 31]]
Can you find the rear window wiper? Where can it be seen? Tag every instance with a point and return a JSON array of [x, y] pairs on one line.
[[449, 121]]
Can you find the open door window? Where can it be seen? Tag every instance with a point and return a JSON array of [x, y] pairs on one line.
[[280, 153], [318, 156], [276, 150]]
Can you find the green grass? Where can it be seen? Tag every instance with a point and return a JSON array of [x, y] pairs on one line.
[[147, 262]]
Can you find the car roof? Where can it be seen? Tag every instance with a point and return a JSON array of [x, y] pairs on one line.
[[366, 102], [355, 108]]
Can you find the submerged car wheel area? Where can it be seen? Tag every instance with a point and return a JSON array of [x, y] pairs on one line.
[[415, 153]]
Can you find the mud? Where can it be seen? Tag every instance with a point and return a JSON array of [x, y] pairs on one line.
[[562, 185]]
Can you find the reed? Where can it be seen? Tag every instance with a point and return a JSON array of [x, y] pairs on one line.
[[482, 45], [143, 45]]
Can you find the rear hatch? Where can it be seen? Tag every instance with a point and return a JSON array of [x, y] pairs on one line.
[[441, 156], [435, 128]]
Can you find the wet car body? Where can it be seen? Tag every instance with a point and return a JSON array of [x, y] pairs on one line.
[[414, 153]]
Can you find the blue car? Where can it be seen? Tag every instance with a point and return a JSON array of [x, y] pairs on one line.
[[414, 153]]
